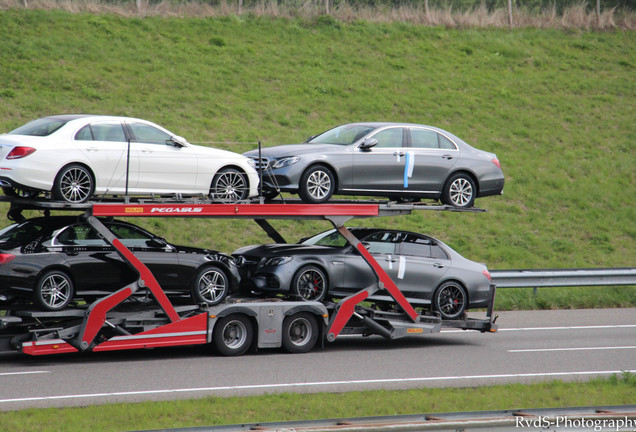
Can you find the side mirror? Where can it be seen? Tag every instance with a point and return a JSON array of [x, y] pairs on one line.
[[368, 143], [177, 141]]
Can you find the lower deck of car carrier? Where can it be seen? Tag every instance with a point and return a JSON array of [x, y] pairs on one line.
[[140, 315]]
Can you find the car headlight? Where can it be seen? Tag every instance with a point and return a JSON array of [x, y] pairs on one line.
[[286, 161], [251, 162], [276, 261]]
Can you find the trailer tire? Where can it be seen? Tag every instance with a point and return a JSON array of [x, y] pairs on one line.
[[211, 286], [450, 300], [300, 332], [233, 335], [309, 283], [53, 290]]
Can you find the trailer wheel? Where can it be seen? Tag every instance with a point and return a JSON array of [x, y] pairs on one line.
[[450, 300], [309, 283], [211, 286], [300, 332], [54, 290], [233, 335]]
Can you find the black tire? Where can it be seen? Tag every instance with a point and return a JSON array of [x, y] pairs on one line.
[[309, 283], [211, 286], [74, 184], [300, 332], [270, 194], [53, 290], [233, 335], [20, 192], [459, 191], [450, 300], [317, 185], [229, 185]]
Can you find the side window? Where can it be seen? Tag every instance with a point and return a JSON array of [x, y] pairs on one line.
[[381, 243], [438, 252], [80, 235], [148, 134], [445, 143], [84, 134], [416, 246], [129, 236], [389, 137], [424, 138], [101, 132]]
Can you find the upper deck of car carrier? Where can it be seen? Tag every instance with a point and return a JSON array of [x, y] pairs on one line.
[[124, 321]]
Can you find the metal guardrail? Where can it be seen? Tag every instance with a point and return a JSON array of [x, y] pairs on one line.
[[563, 277], [607, 418]]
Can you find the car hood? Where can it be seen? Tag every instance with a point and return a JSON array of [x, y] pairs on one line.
[[282, 250], [217, 153], [295, 150]]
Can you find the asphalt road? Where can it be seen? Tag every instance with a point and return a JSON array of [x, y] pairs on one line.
[[531, 346]]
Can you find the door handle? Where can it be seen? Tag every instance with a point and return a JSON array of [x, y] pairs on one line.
[[438, 265], [398, 154], [447, 156], [390, 259]]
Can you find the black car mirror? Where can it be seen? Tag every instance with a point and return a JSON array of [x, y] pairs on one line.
[[157, 242], [368, 143]]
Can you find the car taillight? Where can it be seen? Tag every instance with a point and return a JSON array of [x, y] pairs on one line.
[[487, 274], [5, 258], [20, 152], [496, 162]]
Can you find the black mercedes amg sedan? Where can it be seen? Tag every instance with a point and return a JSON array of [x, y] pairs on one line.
[[55, 260]]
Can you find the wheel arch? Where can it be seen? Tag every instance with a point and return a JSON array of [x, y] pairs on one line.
[[59, 267], [233, 166], [457, 281], [318, 264], [330, 167], [467, 172], [90, 169]]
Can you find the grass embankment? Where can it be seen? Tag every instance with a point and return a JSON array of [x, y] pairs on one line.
[[556, 106], [616, 390]]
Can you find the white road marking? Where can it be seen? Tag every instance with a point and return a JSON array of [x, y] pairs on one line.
[[314, 384], [551, 328], [571, 349], [23, 373]]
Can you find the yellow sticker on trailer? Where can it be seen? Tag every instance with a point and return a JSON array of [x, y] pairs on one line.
[[415, 330]]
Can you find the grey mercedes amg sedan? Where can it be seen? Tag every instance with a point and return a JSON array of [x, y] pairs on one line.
[[429, 273], [400, 161]]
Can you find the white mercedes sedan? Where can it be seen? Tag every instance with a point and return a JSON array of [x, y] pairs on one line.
[[75, 157]]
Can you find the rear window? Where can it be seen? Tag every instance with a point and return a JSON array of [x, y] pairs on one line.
[[20, 234], [40, 127]]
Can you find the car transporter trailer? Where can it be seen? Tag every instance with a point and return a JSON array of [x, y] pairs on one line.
[[117, 322]]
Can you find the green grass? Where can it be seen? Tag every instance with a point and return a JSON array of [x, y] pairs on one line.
[[615, 390], [557, 106]]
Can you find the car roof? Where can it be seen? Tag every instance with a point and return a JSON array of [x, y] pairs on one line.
[[71, 117]]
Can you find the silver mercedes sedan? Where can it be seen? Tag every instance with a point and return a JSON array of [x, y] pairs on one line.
[[401, 161]]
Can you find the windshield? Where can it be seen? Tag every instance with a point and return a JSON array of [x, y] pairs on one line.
[[342, 135], [41, 127]]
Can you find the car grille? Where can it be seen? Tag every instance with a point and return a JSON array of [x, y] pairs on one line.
[[262, 164], [247, 261]]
